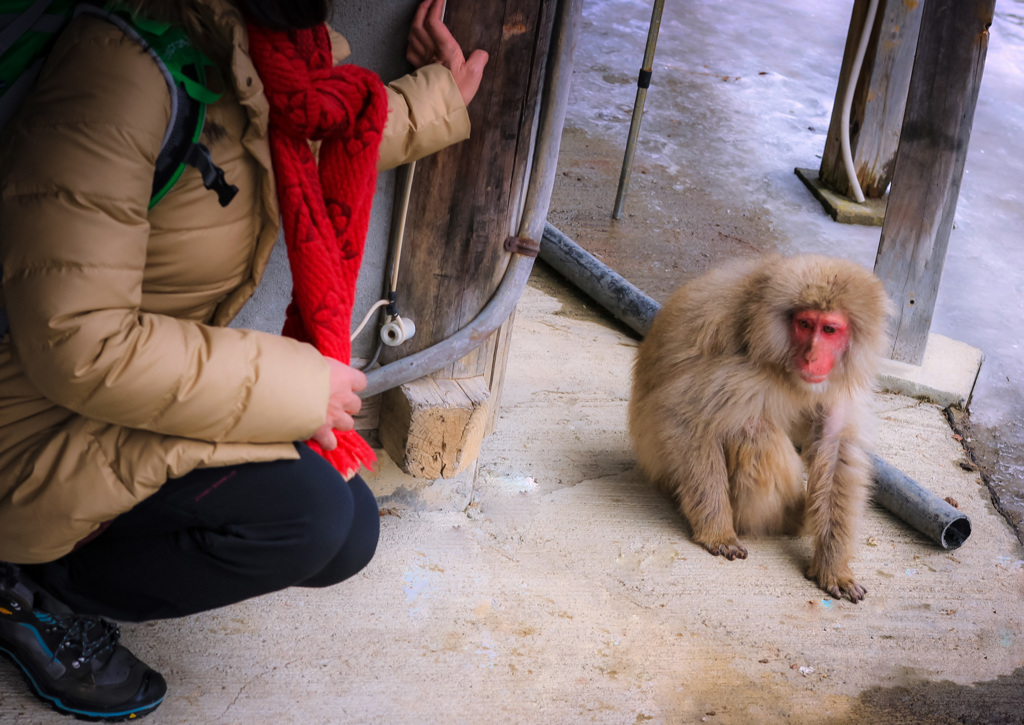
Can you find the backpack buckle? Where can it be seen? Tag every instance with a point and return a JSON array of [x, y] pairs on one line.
[[213, 176]]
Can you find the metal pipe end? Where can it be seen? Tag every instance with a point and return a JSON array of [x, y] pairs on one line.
[[956, 533]]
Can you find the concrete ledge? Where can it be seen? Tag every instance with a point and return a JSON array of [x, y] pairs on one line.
[[841, 208], [945, 377]]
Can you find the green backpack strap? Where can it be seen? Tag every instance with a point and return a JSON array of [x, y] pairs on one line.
[[185, 69], [27, 30]]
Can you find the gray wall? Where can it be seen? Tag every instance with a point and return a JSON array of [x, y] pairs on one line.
[[377, 33]]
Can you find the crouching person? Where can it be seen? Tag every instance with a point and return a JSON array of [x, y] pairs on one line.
[[152, 462]]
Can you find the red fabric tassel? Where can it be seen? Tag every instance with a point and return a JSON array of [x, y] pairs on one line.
[[325, 206]]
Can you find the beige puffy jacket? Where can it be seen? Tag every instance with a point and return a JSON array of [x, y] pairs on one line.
[[118, 372]]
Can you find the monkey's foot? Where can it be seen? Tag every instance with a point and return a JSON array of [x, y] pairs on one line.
[[838, 584], [731, 549]]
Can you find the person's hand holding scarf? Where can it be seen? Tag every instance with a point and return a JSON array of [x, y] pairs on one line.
[[325, 202]]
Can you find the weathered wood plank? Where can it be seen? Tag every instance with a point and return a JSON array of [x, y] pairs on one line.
[[467, 199], [368, 417], [876, 115], [436, 426], [496, 368], [930, 163]]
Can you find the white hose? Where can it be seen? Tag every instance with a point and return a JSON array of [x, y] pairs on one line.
[[376, 306], [851, 85], [396, 246]]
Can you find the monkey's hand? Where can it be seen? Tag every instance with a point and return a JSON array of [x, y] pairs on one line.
[[729, 549], [838, 583]]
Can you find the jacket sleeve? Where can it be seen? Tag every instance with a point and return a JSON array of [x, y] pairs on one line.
[[425, 111], [77, 172], [425, 114]]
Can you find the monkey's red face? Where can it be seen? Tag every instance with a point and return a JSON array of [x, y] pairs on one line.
[[818, 340]]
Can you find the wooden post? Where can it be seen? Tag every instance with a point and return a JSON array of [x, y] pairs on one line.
[[879, 97], [466, 200], [930, 163]]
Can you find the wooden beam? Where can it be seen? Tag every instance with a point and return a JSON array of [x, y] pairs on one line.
[[436, 426], [495, 372], [467, 199], [879, 98], [930, 163]]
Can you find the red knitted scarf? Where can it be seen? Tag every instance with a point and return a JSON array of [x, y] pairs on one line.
[[325, 206]]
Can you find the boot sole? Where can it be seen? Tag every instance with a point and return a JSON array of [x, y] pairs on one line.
[[80, 713]]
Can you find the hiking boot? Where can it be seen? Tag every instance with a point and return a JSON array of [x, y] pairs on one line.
[[72, 662]]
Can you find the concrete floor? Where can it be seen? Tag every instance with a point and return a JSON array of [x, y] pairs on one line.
[[555, 586], [552, 584]]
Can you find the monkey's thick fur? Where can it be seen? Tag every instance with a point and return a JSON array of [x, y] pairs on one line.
[[717, 407]]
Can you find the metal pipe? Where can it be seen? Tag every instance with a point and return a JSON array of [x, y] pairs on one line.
[[531, 226], [616, 294], [919, 507], [642, 83], [894, 490]]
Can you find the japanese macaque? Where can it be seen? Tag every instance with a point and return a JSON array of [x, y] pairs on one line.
[[740, 369]]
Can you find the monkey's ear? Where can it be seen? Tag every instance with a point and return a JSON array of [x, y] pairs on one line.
[[766, 314]]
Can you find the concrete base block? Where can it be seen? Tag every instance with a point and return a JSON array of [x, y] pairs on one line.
[[841, 208], [946, 375]]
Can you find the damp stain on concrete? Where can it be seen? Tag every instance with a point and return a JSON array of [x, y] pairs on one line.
[[990, 702]]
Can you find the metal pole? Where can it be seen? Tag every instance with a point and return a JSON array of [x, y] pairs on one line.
[[612, 291], [919, 507], [642, 84]]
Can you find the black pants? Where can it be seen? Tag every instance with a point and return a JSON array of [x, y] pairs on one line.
[[220, 535]]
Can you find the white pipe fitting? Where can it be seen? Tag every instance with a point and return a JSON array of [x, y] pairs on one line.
[[397, 330]]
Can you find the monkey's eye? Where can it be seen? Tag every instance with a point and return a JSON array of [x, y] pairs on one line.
[[828, 329], [805, 324]]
